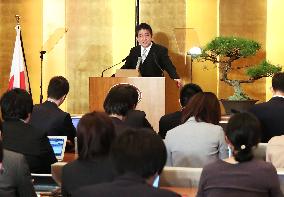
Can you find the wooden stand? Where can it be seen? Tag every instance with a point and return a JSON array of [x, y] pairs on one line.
[[152, 88]]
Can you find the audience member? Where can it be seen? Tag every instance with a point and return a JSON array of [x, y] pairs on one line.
[[21, 137], [139, 155], [15, 178], [118, 103], [241, 174], [50, 117], [199, 140], [172, 120], [271, 113], [94, 136], [275, 151]]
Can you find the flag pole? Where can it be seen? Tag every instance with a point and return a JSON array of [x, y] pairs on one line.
[[24, 56]]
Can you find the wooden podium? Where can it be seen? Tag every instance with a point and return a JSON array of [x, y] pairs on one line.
[[152, 88]]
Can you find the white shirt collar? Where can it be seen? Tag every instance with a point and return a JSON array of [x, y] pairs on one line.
[[278, 96], [148, 49]]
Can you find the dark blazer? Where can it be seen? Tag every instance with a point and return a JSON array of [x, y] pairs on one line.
[[271, 116], [155, 63], [49, 117], [168, 122], [137, 119], [15, 180], [128, 185], [33, 143], [82, 173]]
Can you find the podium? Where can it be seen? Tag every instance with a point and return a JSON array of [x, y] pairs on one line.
[[152, 89]]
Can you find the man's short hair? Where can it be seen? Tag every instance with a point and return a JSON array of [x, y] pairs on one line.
[[143, 26], [16, 104], [58, 86], [139, 151], [188, 91], [278, 82], [118, 100]]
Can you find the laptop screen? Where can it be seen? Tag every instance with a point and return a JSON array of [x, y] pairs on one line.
[[57, 145], [75, 120]]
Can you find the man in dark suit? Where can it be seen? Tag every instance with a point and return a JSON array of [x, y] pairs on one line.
[[21, 137], [271, 113], [49, 117], [172, 120], [149, 58], [138, 155]]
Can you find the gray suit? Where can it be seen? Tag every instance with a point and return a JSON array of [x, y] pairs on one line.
[[195, 144], [15, 179]]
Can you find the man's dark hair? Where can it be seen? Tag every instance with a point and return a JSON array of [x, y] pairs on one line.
[[188, 91], [58, 86], [16, 104], [143, 26], [95, 134], [118, 100], [243, 131], [278, 82], [204, 106], [139, 151]]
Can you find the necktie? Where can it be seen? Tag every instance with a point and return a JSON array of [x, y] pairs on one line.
[[144, 55]]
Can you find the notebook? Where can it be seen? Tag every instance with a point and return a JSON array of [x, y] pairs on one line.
[[58, 144]]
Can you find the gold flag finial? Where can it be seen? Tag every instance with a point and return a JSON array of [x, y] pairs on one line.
[[18, 19]]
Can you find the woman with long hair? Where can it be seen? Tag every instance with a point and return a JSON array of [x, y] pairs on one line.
[[199, 140]]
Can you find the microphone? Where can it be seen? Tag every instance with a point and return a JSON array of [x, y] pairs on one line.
[[158, 65], [139, 60], [123, 60]]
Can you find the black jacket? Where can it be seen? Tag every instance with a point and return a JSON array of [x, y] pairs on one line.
[[155, 63], [32, 143]]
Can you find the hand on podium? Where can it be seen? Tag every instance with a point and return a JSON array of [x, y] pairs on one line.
[[179, 83]]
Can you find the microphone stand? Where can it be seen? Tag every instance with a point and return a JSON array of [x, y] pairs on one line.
[[113, 66], [41, 61]]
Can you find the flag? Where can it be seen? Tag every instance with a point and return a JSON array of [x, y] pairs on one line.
[[17, 74]]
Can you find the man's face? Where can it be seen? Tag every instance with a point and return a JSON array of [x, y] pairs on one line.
[[144, 38]]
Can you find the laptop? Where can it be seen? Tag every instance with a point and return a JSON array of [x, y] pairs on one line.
[[58, 144], [75, 120]]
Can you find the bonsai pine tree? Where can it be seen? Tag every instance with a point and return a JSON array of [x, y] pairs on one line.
[[225, 50]]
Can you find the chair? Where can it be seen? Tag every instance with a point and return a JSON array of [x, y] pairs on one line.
[[260, 151], [180, 177]]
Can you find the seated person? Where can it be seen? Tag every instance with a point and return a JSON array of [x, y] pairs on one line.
[[15, 178], [21, 137], [49, 117], [172, 120], [139, 155], [199, 140], [270, 113], [94, 137], [275, 151], [241, 174], [119, 104]]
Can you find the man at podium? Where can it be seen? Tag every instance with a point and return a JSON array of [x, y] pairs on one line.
[[148, 58]]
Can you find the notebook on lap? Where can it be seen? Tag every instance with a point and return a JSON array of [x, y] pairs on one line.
[[58, 144]]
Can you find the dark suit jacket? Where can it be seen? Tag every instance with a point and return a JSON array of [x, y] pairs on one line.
[[15, 181], [33, 143], [155, 63], [137, 119], [128, 185], [82, 173], [49, 117], [271, 116], [168, 122]]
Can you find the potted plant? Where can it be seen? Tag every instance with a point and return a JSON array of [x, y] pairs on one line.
[[223, 51]]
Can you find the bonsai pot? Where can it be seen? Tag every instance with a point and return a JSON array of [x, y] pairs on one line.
[[232, 107]]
